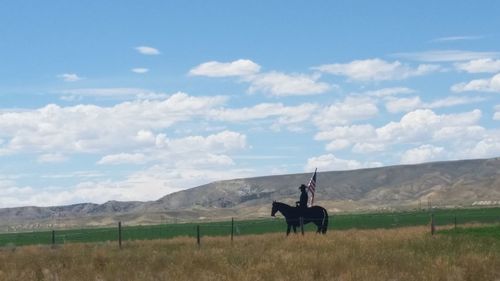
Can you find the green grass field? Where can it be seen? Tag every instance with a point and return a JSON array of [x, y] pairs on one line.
[[337, 222], [490, 231]]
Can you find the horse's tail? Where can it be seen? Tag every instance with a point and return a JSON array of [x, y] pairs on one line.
[[324, 225]]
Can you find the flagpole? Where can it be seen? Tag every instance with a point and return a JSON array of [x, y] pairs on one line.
[[315, 170], [312, 186]]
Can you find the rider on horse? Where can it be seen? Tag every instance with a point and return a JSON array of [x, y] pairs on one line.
[[302, 204]]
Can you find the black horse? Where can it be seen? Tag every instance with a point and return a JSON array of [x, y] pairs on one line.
[[315, 214]]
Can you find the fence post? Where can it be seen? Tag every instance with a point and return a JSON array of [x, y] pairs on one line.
[[455, 222], [198, 235], [302, 225], [53, 238], [120, 234], [433, 227], [232, 229]]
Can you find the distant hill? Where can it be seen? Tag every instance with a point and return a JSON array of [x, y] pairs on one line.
[[443, 184]]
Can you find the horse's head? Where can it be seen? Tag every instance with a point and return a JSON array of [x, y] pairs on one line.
[[274, 209]]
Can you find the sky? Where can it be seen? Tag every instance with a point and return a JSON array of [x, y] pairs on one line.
[[133, 100]]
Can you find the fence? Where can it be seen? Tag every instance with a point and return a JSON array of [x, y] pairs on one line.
[[122, 233]]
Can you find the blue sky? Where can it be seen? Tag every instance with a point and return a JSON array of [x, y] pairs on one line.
[[129, 100]]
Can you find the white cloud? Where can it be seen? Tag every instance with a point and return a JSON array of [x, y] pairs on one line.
[[90, 128], [481, 85], [421, 154], [13, 195], [106, 92], [69, 77], [467, 133], [354, 132], [339, 144], [362, 147], [496, 115], [209, 160], [241, 67], [453, 101], [181, 163], [281, 84], [421, 124], [116, 93], [146, 50], [433, 137], [485, 145], [145, 136], [274, 83], [196, 152], [149, 184], [123, 158], [140, 70], [418, 126], [52, 158], [386, 92], [345, 112], [329, 162], [447, 55], [281, 115], [456, 38], [343, 137], [217, 143], [376, 70], [395, 105], [480, 66]]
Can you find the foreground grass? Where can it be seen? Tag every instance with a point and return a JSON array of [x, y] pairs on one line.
[[383, 254]]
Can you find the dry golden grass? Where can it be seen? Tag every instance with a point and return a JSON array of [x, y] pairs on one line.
[[398, 254]]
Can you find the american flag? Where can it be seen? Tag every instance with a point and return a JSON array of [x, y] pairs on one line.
[[311, 187]]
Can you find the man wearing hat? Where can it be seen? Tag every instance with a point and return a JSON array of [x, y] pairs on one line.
[[302, 204]]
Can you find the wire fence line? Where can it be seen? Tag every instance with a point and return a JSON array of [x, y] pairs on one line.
[[235, 227], [140, 232]]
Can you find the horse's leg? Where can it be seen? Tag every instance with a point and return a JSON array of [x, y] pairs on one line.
[[288, 229], [294, 229]]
